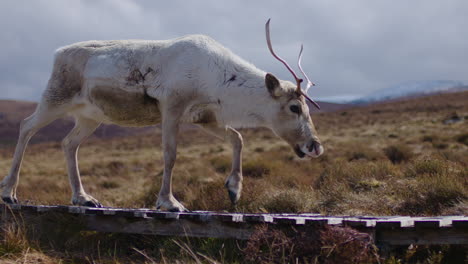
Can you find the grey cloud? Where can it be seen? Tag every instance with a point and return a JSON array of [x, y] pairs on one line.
[[351, 47]]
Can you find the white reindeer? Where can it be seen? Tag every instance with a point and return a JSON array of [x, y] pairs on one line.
[[140, 83]]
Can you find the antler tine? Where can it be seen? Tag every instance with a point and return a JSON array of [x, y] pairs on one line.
[[310, 100], [270, 47], [309, 83]]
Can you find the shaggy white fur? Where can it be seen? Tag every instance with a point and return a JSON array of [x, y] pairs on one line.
[[138, 83]]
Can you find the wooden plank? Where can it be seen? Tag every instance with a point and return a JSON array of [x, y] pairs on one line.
[[408, 236], [389, 230], [45, 208], [393, 223], [230, 218], [434, 222], [258, 218], [181, 227], [460, 223], [203, 217], [289, 220], [359, 222], [324, 220], [76, 209], [163, 215]]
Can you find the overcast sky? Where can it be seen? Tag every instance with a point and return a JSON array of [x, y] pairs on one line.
[[350, 47]]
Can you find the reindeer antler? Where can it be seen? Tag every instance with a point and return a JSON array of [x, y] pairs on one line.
[[270, 47], [298, 80], [309, 83]]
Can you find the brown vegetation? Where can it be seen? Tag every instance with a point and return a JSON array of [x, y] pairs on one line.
[[384, 159]]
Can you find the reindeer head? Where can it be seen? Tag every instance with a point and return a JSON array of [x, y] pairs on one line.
[[292, 122]]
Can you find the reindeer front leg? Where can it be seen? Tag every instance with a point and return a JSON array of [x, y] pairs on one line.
[[170, 127], [234, 180]]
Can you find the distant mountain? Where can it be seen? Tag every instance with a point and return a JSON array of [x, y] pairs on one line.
[[327, 107], [412, 88]]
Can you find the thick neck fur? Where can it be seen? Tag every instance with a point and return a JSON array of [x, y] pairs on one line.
[[244, 98]]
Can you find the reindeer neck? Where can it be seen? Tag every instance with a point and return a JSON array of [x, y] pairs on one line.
[[245, 99]]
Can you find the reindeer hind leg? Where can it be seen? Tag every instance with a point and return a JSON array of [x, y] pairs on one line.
[[84, 127], [43, 115]]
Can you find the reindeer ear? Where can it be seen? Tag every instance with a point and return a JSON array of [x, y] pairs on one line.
[[273, 85]]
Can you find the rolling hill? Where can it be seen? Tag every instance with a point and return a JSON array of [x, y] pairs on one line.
[[13, 112]]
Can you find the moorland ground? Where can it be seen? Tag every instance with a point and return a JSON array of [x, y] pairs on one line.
[[404, 157]]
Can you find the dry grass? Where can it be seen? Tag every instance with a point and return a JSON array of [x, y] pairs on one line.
[[393, 158]]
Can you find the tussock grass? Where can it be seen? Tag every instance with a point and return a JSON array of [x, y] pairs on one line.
[[13, 241], [288, 201], [435, 188]]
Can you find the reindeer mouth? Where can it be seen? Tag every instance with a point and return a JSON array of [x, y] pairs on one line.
[[313, 150], [299, 152]]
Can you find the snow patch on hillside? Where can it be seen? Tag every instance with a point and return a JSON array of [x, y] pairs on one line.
[[412, 88]]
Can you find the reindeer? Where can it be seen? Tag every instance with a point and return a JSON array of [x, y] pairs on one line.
[[188, 79]]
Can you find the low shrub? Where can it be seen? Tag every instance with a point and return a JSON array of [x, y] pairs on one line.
[[398, 153], [354, 151], [109, 184], [288, 201], [221, 164], [257, 168], [462, 138], [326, 244], [440, 145], [426, 166], [433, 193], [429, 138]]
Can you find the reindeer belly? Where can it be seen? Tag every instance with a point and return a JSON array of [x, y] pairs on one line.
[[126, 108]]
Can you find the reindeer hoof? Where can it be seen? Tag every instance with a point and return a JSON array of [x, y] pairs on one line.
[[86, 200], [10, 200], [234, 197], [93, 204], [170, 204], [178, 210]]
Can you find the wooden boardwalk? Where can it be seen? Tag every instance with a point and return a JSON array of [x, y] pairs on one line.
[[386, 230]]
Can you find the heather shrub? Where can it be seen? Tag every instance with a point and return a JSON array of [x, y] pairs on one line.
[[268, 246], [327, 244], [440, 145], [257, 168], [357, 151], [462, 138], [429, 138], [221, 164], [398, 153]]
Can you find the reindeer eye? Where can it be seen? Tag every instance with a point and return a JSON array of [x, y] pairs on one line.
[[295, 109]]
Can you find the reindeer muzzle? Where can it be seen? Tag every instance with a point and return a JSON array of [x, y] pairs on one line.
[[312, 149]]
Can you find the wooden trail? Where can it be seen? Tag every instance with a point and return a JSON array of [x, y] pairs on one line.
[[386, 230]]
